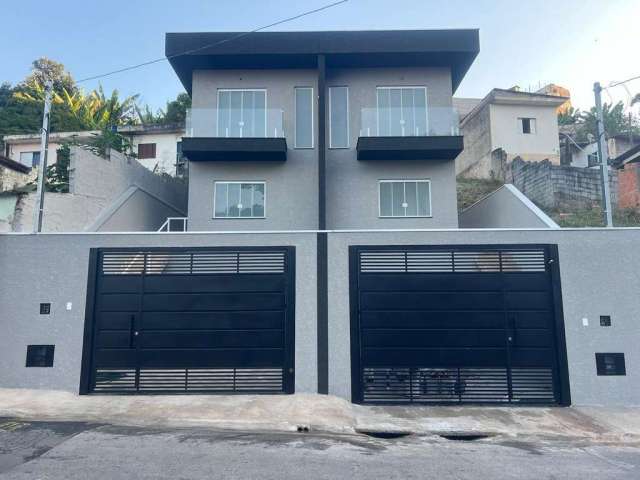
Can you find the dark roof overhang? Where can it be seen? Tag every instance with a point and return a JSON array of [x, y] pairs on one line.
[[455, 49], [409, 148]]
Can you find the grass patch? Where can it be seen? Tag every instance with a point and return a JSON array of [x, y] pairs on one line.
[[593, 217], [470, 190]]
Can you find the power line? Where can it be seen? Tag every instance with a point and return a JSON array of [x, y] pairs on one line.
[[203, 47], [615, 84]]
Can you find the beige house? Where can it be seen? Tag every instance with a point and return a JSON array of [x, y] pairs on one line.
[[157, 147], [504, 125]]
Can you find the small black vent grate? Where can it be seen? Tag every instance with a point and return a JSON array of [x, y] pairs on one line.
[[45, 308], [451, 261], [610, 364], [40, 355], [192, 263]]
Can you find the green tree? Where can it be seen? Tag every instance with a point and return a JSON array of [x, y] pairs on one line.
[[636, 99], [570, 117], [616, 121], [177, 109]]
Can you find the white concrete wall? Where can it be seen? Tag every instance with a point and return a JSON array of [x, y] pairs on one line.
[[506, 207], [506, 132], [166, 151]]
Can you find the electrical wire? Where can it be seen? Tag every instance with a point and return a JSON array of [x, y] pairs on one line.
[[203, 47], [615, 84]]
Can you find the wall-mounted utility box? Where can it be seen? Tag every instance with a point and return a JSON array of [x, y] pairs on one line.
[[610, 364], [40, 355]]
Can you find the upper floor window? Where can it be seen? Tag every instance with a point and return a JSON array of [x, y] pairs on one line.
[[338, 117], [304, 117], [402, 111], [242, 113], [146, 150], [405, 198], [527, 125], [239, 200], [30, 159]]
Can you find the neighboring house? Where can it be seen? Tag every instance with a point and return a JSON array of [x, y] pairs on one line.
[[157, 147], [585, 153], [323, 252], [507, 124], [25, 148]]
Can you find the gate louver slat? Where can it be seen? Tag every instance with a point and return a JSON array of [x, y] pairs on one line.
[[465, 324]]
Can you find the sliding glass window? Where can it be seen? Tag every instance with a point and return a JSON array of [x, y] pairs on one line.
[[402, 111], [242, 113]]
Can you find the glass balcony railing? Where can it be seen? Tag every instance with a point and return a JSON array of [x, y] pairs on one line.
[[409, 122], [235, 123]]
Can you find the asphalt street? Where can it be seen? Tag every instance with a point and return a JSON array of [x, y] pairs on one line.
[[64, 450]]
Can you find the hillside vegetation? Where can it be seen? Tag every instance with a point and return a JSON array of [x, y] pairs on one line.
[[471, 190]]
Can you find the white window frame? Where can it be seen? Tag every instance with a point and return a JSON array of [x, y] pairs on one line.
[[348, 122], [403, 87], [266, 103], [404, 180], [240, 182], [295, 120], [534, 130]]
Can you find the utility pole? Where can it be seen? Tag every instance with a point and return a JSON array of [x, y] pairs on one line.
[[603, 156], [42, 168]]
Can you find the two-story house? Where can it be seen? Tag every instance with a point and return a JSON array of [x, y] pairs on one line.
[[329, 130]]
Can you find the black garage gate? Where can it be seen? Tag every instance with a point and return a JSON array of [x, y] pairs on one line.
[[203, 320], [457, 324]]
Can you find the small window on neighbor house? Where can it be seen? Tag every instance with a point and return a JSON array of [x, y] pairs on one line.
[[304, 117], [592, 159], [339, 117], [30, 159], [527, 125], [405, 198], [239, 200], [146, 150]]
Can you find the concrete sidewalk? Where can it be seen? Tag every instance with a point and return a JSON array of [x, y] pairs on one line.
[[322, 413]]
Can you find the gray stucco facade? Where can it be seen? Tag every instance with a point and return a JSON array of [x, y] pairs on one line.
[[611, 253], [352, 185]]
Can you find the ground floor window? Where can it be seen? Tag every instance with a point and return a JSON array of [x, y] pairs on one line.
[[405, 198], [239, 200]]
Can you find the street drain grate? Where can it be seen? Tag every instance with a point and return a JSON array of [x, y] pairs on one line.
[[387, 435], [464, 437]]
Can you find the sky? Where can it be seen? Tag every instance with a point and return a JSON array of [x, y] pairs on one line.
[[529, 43]]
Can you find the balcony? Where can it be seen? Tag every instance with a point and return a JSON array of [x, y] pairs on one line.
[[409, 132], [234, 134]]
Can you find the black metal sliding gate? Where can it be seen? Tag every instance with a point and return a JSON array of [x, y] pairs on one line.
[[179, 320], [457, 324]]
